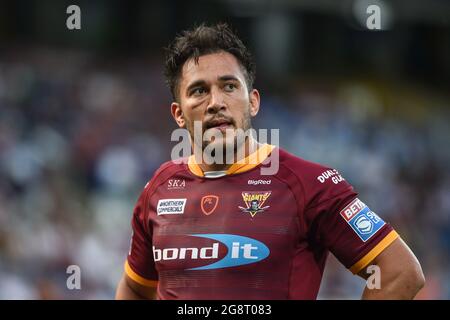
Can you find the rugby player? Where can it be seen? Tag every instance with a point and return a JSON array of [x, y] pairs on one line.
[[220, 230]]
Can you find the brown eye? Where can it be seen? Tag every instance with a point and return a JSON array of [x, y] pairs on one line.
[[230, 87], [198, 91]]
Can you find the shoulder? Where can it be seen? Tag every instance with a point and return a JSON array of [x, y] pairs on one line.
[[164, 172], [308, 171], [316, 179]]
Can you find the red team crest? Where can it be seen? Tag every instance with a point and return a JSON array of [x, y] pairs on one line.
[[254, 202], [209, 204]]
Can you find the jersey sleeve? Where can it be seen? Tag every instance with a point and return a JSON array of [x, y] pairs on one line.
[[340, 222], [139, 265]]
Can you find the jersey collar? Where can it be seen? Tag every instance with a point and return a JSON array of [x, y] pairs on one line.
[[252, 160]]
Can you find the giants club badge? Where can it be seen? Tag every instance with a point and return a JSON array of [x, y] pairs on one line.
[[254, 202], [209, 204]]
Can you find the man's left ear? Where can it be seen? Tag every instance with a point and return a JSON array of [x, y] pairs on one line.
[[254, 102]]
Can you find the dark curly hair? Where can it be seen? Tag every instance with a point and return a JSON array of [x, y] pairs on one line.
[[204, 40]]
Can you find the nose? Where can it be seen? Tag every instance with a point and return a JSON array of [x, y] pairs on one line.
[[216, 102]]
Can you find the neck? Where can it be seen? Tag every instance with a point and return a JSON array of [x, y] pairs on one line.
[[244, 150]]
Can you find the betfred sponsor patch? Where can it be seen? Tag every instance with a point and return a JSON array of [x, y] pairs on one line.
[[170, 206], [352, 209], [362, 220]]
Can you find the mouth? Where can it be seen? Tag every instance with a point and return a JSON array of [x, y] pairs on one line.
[[220, 124]]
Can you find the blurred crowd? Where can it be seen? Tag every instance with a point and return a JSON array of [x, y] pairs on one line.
[[81, 134]]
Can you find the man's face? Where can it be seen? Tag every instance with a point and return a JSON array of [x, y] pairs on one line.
[[254, 205], [214, 92]]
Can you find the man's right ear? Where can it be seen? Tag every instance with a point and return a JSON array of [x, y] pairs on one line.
[[177, 114]]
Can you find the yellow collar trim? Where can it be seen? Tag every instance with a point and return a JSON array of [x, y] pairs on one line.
[[252, 160]]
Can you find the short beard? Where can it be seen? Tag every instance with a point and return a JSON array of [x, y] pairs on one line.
[[229, 149]]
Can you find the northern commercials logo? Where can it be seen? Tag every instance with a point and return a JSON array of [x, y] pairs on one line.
[[170, 206], [363, 221], [254, 202], [240, 251]]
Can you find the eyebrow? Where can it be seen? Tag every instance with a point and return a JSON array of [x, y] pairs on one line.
[[195, 84], [227, 78], [203, 82]]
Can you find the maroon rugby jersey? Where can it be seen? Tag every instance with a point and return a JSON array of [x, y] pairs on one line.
[[245, 235]]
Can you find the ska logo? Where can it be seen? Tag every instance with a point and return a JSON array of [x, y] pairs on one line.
[[176, 184], [254, 202]]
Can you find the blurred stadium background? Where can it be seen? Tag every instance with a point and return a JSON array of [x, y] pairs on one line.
[[84, 122]]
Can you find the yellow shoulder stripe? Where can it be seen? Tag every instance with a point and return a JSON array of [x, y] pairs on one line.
[[383, 244], [248, 163], [252, 160], [133, 275]]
